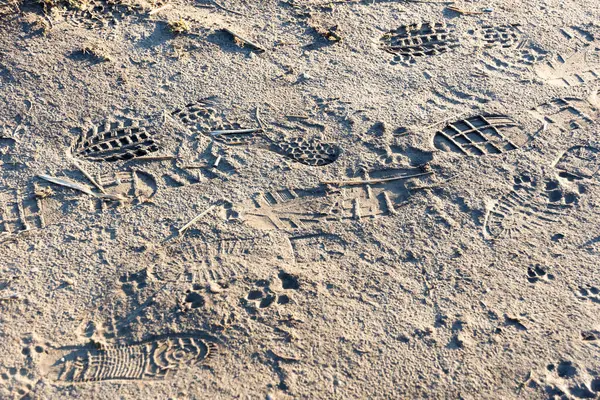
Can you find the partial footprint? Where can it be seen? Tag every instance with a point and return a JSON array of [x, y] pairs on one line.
[[201, 118], [426, 39], [578, 163], [114, 141], [579, 68], [156, 359], [527, 206], [569, 113], [419, 40], [42, 203], [505, 36], [481, 135], [378, 193]]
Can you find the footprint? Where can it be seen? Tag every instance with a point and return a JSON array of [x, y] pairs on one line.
[[377, 194], [96, 14], [41, 203], [505, 36], [568, 380], [526, 206], [481, 135], [115, 141], [134, 186], [590, 293], [568, 113], [419, 40], [200, 118], [579, 68], [277, 292], [426, 39], [156, 359], [538, 273], [578, 163]]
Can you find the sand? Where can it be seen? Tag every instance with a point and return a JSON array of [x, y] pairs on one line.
[[299, 199]]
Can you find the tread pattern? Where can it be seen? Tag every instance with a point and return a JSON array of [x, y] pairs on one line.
[[311, 153], [290, 209], [478, 136], [579, 162], [419, 40], [20, 213], [115, 141], [568, 113], [526, 206], [504, 36], [574, 70], [150, 360]]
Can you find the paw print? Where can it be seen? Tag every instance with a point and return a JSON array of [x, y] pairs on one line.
[[591, 293], [134, 282], [277, 291], [569, 380], [16, 383], [524, 182], [193, 299], [590, 336], [537, 273], [557, 196]]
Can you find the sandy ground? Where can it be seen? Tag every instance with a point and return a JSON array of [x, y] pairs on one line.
[[299, 199]]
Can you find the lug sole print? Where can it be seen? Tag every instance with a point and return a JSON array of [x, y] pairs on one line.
[[200, 118], [97, 14], [157, 359], [506, 36], [378, 194], [115, 141], [480, 135], [426, 39], [419, 40], [206, 261], [528, 205]]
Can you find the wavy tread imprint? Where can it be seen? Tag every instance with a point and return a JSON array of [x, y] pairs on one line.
[[150, 360]]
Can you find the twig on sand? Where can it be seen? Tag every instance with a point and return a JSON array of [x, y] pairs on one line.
[[154, 158], [87, 175], [80, 187], [67, 183], [222, 7], [463, 12], [374, 181], [234, 131], [260, 122], [187, 226], [159, 9], [243, 40]]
